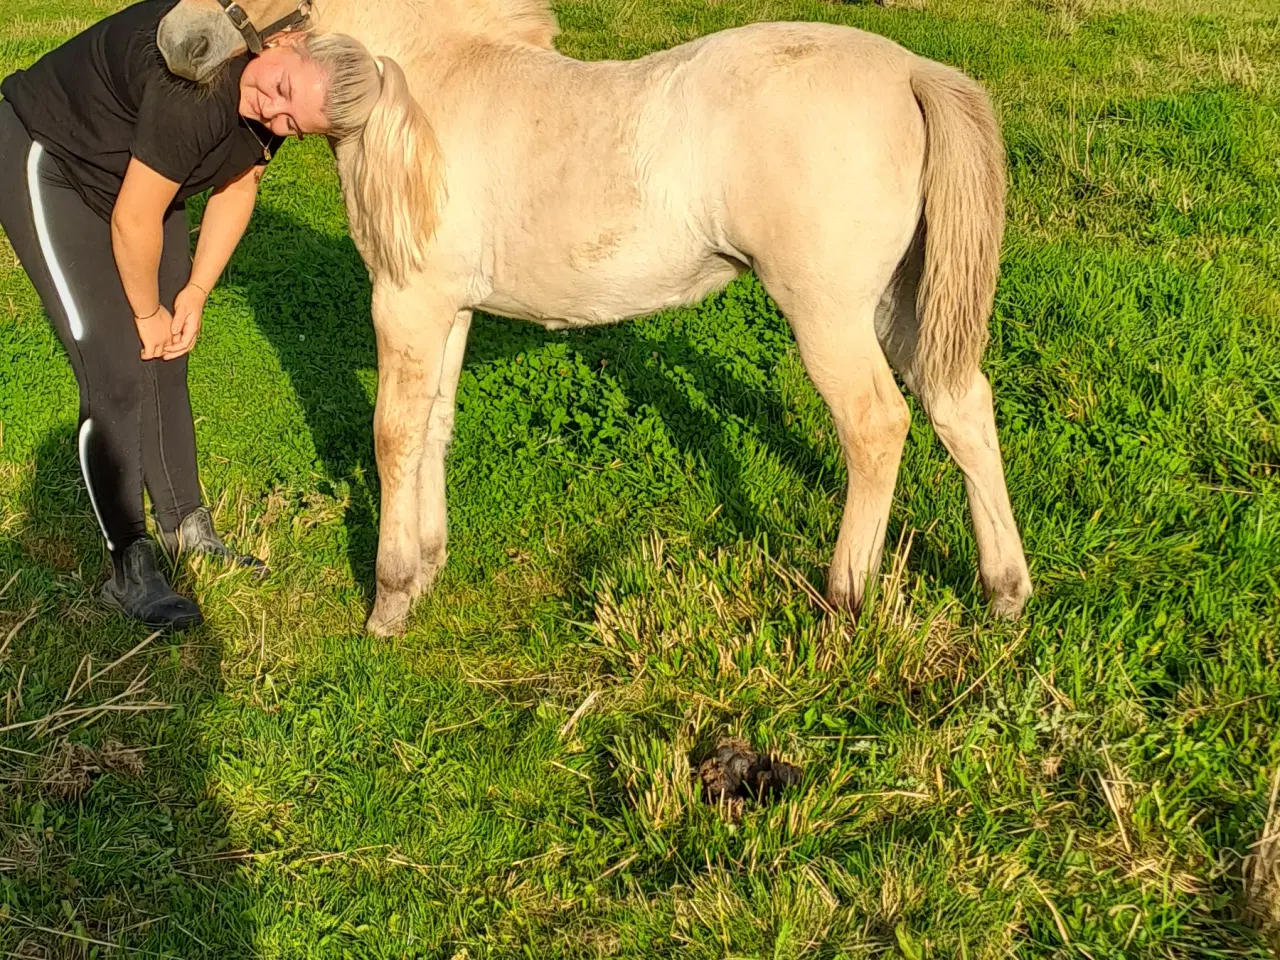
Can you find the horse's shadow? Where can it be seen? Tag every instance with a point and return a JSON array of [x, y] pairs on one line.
[[310, 295]]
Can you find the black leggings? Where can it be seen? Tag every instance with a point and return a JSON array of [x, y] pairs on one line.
[[135, 415]]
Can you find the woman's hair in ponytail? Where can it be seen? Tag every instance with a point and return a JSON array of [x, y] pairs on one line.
[[388, 159], [353, 80]]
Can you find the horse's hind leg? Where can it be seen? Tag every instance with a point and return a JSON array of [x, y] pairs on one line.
[[433, 514], [965, 422], [837, 341], [966, 425]]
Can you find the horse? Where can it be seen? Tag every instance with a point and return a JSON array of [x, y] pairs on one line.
[[863, 184]]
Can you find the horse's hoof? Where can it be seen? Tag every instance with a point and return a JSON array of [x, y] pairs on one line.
[[1008, 594], [428, 570], [843, 592], [389, 615], [381, 627]]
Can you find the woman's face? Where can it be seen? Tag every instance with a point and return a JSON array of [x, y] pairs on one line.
[[284, 92]]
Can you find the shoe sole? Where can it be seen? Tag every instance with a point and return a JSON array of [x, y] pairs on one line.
[[257, 569], [177, 626], [168, 626]]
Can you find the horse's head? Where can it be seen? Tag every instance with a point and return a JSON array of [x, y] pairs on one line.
[[197, 36]]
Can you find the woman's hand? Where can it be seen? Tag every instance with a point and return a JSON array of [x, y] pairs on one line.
[[188, 311], [155, 332]]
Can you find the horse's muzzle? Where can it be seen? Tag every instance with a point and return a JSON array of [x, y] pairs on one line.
[[196, 43]]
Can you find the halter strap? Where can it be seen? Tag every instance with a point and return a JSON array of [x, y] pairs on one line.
[[255, 38]]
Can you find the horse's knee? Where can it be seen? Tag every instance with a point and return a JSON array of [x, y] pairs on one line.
[[894, 417]]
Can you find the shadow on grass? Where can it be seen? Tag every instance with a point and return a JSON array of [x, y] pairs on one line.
[[110, 827], [310, 296]]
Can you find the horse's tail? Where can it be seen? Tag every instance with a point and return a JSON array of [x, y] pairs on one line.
[[964, 190]]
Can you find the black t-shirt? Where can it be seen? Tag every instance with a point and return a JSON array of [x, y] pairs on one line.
[[106, 95]]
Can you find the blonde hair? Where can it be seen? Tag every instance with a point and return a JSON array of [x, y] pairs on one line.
[[388, 159], [353, 80]]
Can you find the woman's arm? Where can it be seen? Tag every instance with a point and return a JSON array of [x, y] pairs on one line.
[[137, 239], [225, 218]]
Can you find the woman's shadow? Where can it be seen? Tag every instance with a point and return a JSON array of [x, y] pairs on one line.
[[111, 828]]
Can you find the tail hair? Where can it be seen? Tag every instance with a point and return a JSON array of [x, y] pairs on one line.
[[964, 202]]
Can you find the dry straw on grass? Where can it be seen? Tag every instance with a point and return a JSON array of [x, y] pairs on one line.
[[72, 713], [1117, 790], [73, 767], [1262, 873]]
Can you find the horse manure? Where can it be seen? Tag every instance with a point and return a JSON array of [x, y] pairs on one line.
[[736, 773]]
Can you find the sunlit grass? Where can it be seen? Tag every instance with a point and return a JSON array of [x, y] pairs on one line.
[[639, 518]]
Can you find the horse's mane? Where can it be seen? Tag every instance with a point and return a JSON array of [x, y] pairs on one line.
[[523, 21], [534, 21], [385, 26]]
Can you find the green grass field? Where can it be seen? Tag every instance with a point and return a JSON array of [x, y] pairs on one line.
[[639, 516]]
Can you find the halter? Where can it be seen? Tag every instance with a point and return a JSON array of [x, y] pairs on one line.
[[254, 37]]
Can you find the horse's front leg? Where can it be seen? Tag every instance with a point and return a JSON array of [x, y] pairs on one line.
[[433, 514], [412, 327]]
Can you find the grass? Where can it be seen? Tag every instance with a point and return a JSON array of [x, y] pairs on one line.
[[638, 515]]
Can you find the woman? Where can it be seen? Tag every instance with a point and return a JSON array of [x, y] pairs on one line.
[[100, 147]]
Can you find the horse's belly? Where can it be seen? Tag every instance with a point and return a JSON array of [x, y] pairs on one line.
[[576, 293]]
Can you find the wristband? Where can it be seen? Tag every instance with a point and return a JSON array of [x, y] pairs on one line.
[[151, 314], [192, 283]]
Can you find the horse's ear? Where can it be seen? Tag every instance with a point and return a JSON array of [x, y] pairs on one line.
[[393, 179]]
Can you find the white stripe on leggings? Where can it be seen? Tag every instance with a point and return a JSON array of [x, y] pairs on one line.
[[46, 244], [85, 429], [68, 305]]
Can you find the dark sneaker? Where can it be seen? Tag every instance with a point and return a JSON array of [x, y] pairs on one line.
[[196, 535], [140, 591]]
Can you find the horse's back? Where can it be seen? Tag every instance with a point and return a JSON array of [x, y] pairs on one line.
[[649, 179]]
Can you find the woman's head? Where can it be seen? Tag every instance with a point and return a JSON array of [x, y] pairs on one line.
[[388, 159], [311, 83]]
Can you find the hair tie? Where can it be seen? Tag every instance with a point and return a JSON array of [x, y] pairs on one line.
[[377, 62]]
